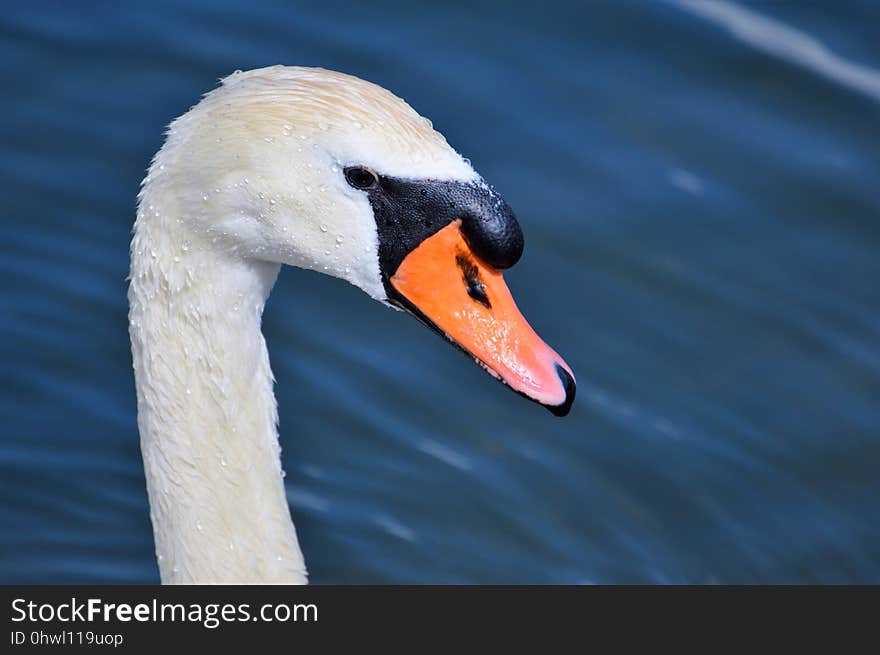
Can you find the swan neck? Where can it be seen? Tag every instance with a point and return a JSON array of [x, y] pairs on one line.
[[206, 411]]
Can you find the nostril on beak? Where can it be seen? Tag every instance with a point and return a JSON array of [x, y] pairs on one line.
[[570, 389]]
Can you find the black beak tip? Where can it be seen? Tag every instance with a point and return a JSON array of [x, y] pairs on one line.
[[570, 389]]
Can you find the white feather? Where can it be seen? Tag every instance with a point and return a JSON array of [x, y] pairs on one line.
[[247, 180]]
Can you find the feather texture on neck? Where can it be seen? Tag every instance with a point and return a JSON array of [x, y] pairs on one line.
[[206, 411]]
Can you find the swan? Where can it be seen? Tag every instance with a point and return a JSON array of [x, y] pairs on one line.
[[323, 171]]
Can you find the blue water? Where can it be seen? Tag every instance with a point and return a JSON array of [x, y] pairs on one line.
[[699, 186]]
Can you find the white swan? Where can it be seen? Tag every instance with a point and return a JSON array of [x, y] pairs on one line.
[[323, 171]]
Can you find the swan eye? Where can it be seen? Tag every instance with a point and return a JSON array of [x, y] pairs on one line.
[[361, 177]]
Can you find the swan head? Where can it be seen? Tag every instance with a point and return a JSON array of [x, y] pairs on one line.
[[324, 171]]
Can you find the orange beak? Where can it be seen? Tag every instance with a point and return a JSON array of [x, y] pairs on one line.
[[447, 286]]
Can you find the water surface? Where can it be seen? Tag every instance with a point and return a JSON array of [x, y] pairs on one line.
[[698, 184]]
